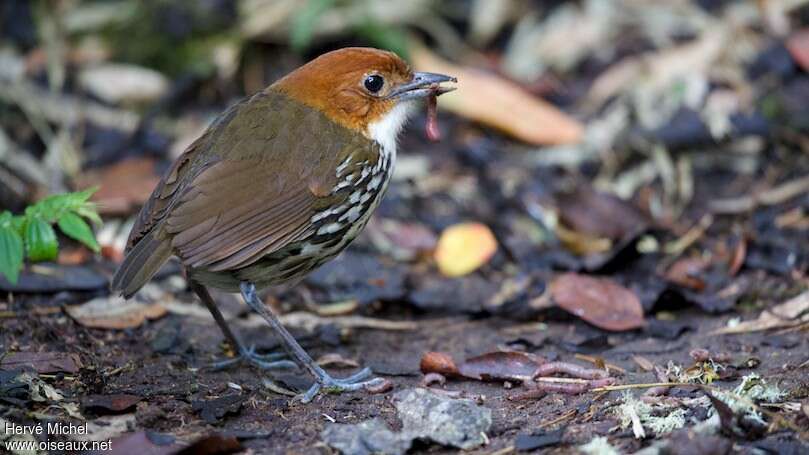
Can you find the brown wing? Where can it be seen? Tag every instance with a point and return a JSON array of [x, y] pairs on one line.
[[237, 211]]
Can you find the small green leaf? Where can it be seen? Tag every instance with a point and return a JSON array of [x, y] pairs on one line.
[[10, 253], [40, 240], [88, 210], [75, 227]]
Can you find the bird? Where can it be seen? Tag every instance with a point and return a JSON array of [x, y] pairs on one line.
[[278, 184]]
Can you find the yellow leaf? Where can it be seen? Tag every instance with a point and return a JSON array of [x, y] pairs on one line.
[[463, 248]]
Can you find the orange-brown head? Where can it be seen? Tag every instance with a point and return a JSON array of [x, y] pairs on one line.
[[363, 89]]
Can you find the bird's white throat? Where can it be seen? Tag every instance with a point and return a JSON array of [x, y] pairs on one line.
[[386, 131]]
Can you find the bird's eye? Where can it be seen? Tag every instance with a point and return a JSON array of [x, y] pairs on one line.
[[374, 83]]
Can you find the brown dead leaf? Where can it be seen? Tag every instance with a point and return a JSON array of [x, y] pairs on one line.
[[737, 258], [109, 404], [403, 241], [599, 214], [599, 301], [798, 46], [644, 363], [500, 365], [686, 272], [793, 312], [496, 102], [492, 366], [42, 362], [336, 360], [123, 186], [438, 362], [114, 313], [464, 247]]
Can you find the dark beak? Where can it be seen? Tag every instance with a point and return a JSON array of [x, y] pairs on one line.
[[421, 86]]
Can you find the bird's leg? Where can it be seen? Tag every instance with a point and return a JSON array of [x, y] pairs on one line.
[[322, 379], [248, 354]]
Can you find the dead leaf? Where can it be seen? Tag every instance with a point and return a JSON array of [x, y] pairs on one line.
[[109, 404], [438, 362], [599, 214], [644, 363], [404, 241], [791, 313], [213, 445], [798, 46], [737, 258], [462, 248], [496, 102], [686, 272], [501, 365], [492, 366], [599, 301], [114, 313], [42, 362], [123, 186], [336, 360]]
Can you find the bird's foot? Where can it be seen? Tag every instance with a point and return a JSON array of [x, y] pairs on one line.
[[328, 384], [272, 361]]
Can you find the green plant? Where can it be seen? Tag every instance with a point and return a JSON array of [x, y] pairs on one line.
[[32, 235]]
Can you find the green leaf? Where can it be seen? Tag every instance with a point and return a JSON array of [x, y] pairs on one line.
[[304, 22], [75, 227], [88, 210], [40, 240], [10, 252]]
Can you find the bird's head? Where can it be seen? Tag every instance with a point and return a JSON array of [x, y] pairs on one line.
[[367, 90]]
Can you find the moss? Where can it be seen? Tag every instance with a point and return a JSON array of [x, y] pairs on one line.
[[598, 446]]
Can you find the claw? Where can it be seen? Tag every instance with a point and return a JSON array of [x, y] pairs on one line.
[[265, 362], [350, 384]]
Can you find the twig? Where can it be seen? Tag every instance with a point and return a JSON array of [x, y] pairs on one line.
[[596, 361], [695, 233], [773, 196], [568, 415]]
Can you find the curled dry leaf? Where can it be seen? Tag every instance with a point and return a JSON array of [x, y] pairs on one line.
[[462, 248], [438, 362], [496, 102], [599, 301], [336, 360], [114, 313]]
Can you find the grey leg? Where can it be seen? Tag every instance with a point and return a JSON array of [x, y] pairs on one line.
[[322, 379], [248, 354]]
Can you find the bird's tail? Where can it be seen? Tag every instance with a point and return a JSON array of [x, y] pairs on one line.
[[140, 264]]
